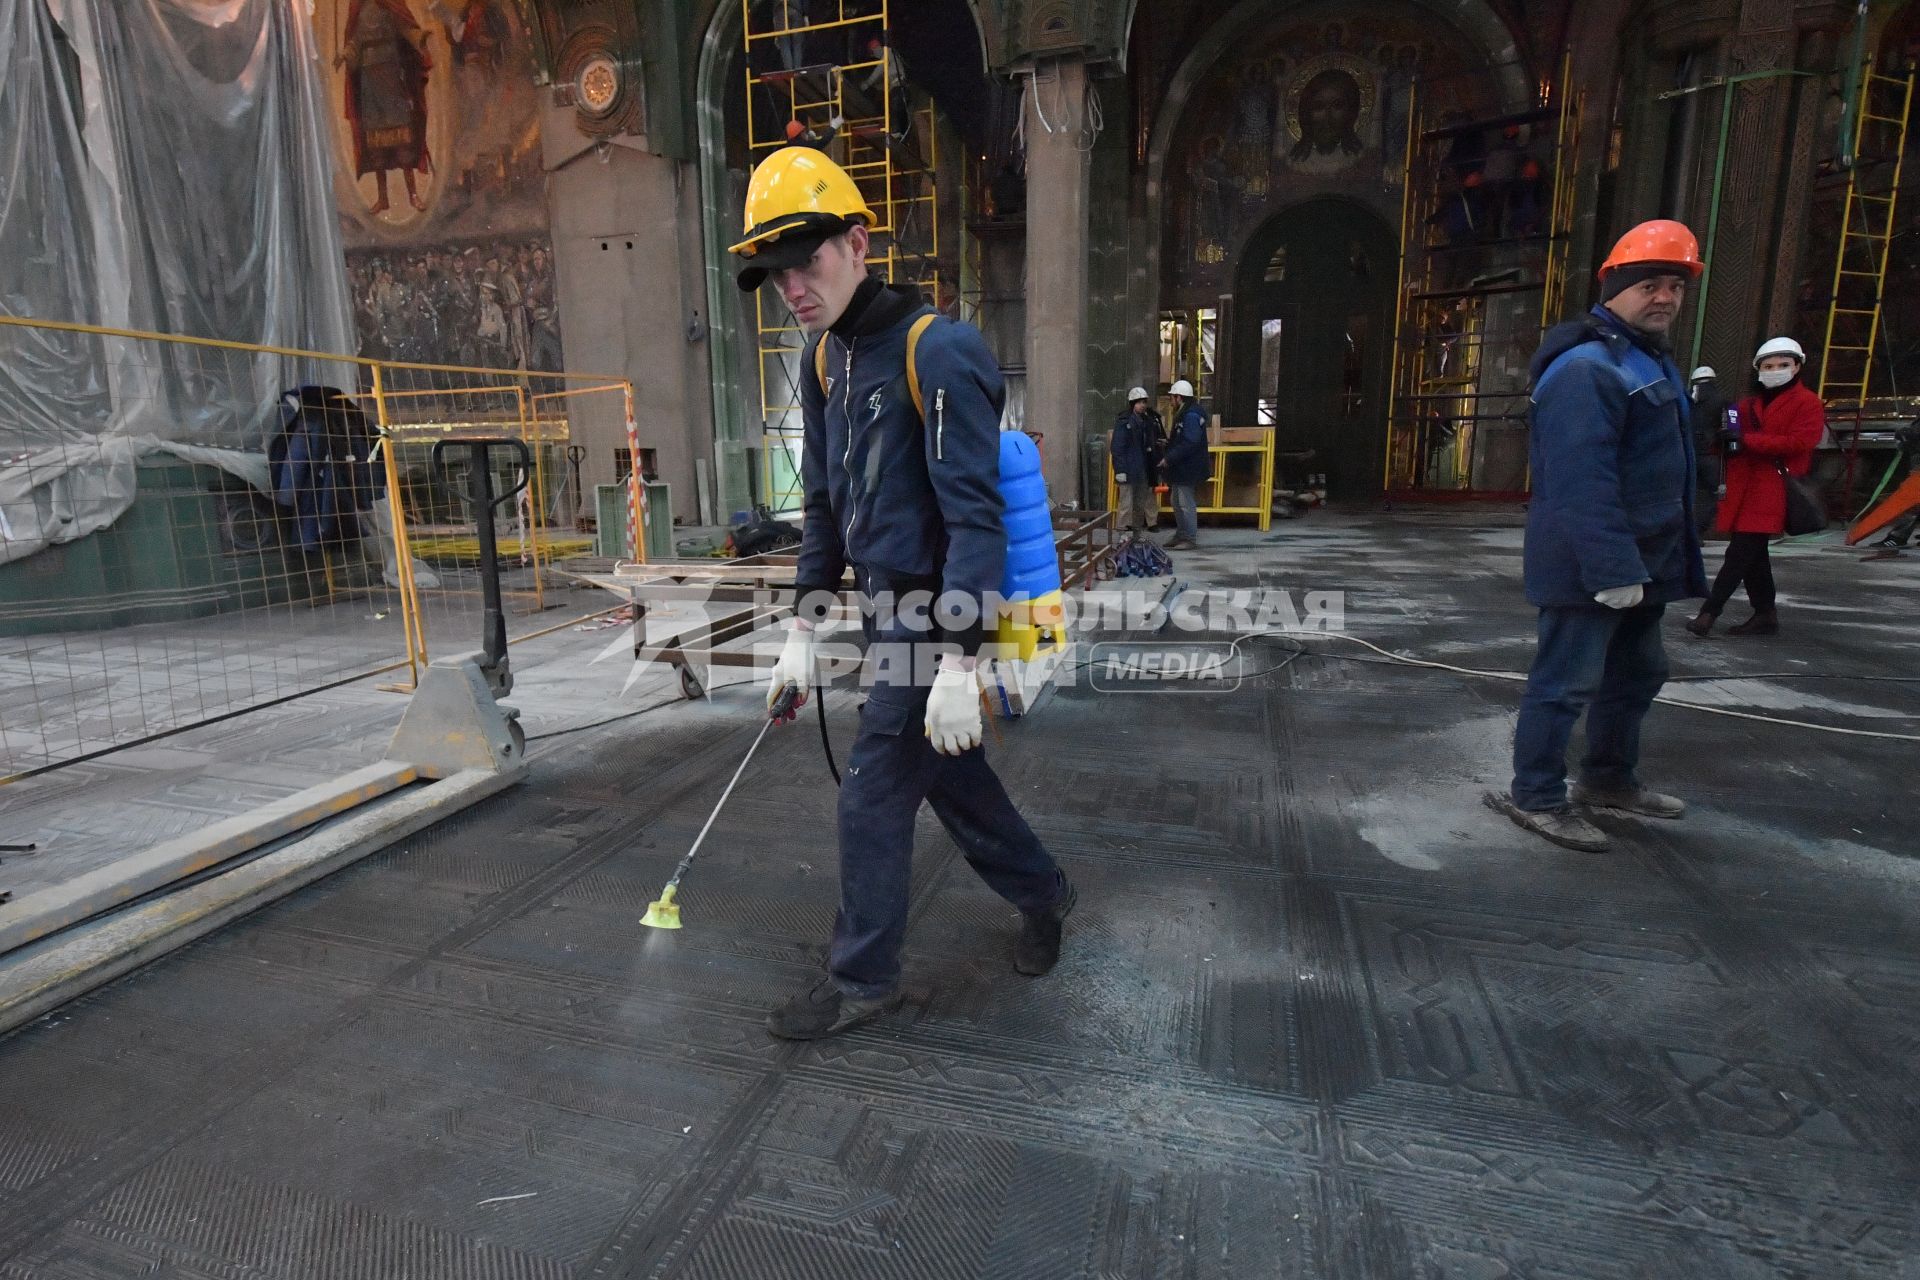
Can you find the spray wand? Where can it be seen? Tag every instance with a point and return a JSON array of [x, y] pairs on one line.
[[663, 912]]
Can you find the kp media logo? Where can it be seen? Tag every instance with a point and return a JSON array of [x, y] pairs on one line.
[[1193, 666]]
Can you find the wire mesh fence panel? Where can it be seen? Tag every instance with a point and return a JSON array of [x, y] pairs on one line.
[[190, 529], [443, 426]]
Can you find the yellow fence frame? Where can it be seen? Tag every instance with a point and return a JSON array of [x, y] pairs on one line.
[[391, 433]]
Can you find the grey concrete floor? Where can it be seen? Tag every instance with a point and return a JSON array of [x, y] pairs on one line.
[[1321, 1013]]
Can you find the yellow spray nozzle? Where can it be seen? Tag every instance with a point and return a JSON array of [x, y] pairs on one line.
[[664, 913]]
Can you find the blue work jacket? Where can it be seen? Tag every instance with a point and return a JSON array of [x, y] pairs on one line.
[[1613, 468]]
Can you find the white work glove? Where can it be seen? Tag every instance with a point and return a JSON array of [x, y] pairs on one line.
[[953, 711], [1121, 479], [794, 666], [1621, 597]]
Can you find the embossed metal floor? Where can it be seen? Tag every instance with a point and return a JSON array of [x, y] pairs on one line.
[[1322, 1015]]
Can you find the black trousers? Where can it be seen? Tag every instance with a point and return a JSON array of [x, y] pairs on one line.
[[1748, 565]]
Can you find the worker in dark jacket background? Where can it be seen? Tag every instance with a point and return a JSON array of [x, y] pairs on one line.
[[1189, 464], [914, 506], [1771, 436], [1610, 539], [1136, 449], [1708, 412]]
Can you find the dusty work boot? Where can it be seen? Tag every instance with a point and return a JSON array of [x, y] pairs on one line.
[[1702, 624], [1039, 947], [824, 1010], [1178, 543], [1563, 826], [1764, 622], [1645, 803]]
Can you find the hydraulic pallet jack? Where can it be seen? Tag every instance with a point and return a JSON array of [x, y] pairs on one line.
[[455, 737]]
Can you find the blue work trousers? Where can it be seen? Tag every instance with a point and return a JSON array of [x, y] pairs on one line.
[[890, 771], [1609, 663], [1186, 513]]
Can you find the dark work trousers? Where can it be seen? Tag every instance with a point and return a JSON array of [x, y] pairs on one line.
[[1706, 494], [1609, 663], [1747, 564], [891, 769], [1139, 505]]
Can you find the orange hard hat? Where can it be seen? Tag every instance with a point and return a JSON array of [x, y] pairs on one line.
[[794, 129], [1661, 242]]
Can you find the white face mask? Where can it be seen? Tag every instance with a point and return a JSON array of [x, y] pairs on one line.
[[1772, 378]]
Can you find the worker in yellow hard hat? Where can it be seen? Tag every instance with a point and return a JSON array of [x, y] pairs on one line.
[[797, 200], [1611, 539], [900, 466]]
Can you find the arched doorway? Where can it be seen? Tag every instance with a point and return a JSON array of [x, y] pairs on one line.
[[1313, 337]]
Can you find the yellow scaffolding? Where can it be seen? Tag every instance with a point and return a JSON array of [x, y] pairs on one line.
[[1866, 237], [1458, 291], [830, 68]]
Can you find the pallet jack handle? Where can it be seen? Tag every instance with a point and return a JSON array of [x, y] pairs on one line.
[[493, 627]]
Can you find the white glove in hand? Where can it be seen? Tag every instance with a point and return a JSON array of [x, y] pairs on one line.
[[1119, 478], [1621, 597], [795, 666], [953, 711]]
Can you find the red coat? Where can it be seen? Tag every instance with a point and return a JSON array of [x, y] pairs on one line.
[[1786, 430]]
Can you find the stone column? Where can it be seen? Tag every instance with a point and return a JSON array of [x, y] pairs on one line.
[[1054, 111]]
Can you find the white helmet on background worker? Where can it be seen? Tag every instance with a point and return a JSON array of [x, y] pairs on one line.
[[1181, 388], [1779, 347], [1704, 373], [1138, 394]]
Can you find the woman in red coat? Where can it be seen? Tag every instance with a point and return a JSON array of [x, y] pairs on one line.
[[1774, 434]]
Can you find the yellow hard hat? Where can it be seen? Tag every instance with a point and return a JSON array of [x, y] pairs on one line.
[[796, 195]]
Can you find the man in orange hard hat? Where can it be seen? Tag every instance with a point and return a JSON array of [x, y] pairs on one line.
[[1611, 539]]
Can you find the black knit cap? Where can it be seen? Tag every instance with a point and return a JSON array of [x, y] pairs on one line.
[[1621, 279]]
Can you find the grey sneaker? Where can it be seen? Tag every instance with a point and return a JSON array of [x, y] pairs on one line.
[[1648, 804], [824, 1010], [1563, 826]]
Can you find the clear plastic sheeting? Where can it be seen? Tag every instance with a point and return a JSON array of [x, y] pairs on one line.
[[52, 385], [164, 166]]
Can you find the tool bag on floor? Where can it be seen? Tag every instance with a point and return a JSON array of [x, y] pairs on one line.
[[763, 534]]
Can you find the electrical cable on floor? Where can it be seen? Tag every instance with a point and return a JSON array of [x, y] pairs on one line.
[[625, 715], [1520, 677], [820, 702]]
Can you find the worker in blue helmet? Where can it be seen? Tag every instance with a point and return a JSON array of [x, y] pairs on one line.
[[912, 504]]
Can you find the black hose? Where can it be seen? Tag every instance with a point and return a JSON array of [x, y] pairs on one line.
[[826, 743]]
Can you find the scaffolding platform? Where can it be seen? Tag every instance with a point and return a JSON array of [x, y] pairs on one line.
[[1478, 238]]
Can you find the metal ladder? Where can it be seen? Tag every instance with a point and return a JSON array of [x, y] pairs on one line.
[[1866, 235]]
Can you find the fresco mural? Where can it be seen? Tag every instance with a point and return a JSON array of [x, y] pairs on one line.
[[490, 305], [1314, 107], [438, 180]]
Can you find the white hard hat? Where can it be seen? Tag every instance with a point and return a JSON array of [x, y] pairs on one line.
[[1181, 388], [1779, 347], [1704, 371], [1138, 393]]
